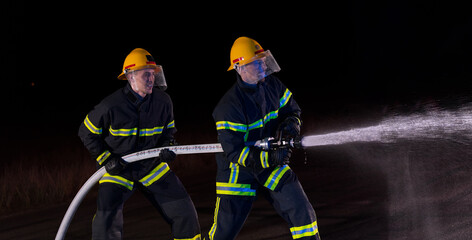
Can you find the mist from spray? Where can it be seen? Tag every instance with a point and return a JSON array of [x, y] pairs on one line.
[[423, 168], [432, 124]]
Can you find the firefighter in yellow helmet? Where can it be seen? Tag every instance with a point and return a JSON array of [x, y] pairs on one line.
[[257, 106], [137, 117], [140, 59], [250, 60]]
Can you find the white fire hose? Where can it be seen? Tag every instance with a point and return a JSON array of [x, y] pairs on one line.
[[134, 157]]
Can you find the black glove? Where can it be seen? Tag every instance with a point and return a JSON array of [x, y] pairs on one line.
[[115, 164], [279, 156], [289, 128], [253, 160], [167, 155]]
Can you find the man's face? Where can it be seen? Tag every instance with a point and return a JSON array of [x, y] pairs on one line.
[[142, 81], [253, 72]]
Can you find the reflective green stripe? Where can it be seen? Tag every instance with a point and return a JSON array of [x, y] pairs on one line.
[[243, 156], [197, 237], [285, 98], [155, 174], [275, 176], [117, 180], [150, 131], [92, 127], [304, 231], [257, 124], [260, 123], [233, 177], [234, 189], [215, 219], [171, 124], [133, 131], [264, 159], [238, 127], [104, 156], [271, 115], [123, 132]]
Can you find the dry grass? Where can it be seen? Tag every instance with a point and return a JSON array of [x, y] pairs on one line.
[[42, 173]]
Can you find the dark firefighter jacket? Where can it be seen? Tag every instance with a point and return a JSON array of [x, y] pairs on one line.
[[250, 113], [122, 124]]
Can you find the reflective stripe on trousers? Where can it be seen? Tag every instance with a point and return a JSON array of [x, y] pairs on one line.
[[156, 174]]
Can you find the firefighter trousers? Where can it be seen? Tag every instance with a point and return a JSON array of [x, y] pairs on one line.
[[284, 191], [166, 194]]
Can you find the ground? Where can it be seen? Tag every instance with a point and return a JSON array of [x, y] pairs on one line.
[[405, 190]]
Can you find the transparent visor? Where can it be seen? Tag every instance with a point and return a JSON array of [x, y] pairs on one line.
[[259, 67], [157, 75], [160, 79]]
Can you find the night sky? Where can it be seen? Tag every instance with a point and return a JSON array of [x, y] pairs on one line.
[[61, 60]]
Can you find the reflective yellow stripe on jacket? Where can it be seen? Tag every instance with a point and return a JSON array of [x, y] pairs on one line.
[[240, 127], [171, 124], [102, 157], [124, 132], [264, 159], [243, 156], [150, 131], [304, 231], [91, 127]]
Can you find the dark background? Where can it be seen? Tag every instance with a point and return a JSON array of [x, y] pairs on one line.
[[62, 59]]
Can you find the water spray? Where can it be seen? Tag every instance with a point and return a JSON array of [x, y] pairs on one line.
[[433, 124]]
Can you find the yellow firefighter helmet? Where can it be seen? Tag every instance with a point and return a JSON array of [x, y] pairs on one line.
[[136, 60], [243, 51]]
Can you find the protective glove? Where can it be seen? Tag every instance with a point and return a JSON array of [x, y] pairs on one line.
[[253, 160], [115, 164], [289, 128], [279, 156], [167, 155]]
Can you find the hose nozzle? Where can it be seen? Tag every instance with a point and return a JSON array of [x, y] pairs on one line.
[[296, 142], [271, 143]]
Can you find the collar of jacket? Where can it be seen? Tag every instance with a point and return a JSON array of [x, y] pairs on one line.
[[247, 87], [142, 104]]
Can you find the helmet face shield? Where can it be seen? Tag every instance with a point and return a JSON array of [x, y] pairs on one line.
[[159, 78], [150, 76], [257, 68]]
